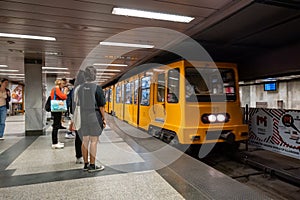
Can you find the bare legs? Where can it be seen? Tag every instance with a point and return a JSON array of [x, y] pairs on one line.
[[93, 141]]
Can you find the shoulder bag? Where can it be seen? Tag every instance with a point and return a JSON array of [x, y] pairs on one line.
[[58, 105]]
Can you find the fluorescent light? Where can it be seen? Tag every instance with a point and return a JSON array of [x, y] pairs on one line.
[[21, 77], [159, 70], [108, 64], [55, 72], [122, 44], [108, 70], [3, 66], [52, 53], [151, 15], [27, 36], [10, 74], [103, 77], [59, 68], [110, 74], [9, 70]]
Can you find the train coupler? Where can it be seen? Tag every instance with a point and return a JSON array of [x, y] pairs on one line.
[[229, 137]]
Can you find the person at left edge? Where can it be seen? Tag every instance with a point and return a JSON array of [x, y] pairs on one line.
[[4, 105], [59, 84]]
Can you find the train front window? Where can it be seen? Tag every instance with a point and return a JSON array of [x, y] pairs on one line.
[[203, 83]]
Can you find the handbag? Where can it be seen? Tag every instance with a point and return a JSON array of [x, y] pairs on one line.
[[58, 105], [77, 117], [48, 104]]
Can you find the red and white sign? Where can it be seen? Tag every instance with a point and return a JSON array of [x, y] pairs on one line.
[[275, 130]]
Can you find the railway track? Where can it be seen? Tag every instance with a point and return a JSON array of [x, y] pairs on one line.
[[234, 165]]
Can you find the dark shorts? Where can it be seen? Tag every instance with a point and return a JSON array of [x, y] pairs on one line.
[[91, 124]]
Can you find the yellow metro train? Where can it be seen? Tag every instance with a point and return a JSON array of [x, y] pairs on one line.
[[182, 103]]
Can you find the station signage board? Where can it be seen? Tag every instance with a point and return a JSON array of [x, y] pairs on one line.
[[276, 130]]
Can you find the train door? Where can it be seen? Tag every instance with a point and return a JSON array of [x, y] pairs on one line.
[[158, 114], [128, 103], [122, 100], [110, 100], [173, 109], [106, 93], [118, 105], [144, 117], [135, 115]]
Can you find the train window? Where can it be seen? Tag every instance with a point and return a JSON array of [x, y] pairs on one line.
[[206, 84], [110, 95], [161, 88], [122, 93], [128, 93], [106, 95], [136, 91], [173, 86], [118, 94], [145, 98]]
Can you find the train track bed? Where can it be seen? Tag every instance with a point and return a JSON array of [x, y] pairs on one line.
[[275, 175]]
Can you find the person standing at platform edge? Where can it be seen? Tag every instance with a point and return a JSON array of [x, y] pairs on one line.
[[59, 84], [91, 101], [4, 105]]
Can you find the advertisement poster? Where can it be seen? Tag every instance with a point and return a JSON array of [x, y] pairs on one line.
[[16, 93], [275, 130]]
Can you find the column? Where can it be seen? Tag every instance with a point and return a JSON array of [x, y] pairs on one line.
[[33, 97]]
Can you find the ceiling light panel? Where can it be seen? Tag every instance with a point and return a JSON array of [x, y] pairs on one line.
[[122, 44], [110, 74], [33, 37], [55, 68], [9, 70], [16, 77], [108, 70], [151, 15], [110, 64], [55, 72], [11, 74]]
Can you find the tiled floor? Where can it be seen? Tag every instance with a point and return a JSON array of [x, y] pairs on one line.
[[137, 167]]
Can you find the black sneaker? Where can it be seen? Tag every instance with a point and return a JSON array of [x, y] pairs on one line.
[[95, 168], [86, 167]]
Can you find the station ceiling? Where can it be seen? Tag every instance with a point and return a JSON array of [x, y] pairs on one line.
[[261, 36]]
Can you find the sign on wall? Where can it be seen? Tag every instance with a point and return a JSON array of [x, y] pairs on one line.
[[275, 130], [16, 93]]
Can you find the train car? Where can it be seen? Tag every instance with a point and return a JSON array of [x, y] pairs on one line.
[[187, 104]]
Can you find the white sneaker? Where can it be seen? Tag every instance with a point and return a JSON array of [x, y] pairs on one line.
[[1, 138], [69, 135], [60, 143], [57, 146], [79, 160]]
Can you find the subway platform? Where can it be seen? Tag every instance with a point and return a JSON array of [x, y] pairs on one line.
[[136, 167]]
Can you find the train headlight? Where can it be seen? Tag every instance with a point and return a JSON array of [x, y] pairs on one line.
[[212, 118], [215, 118], [221, 118]]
